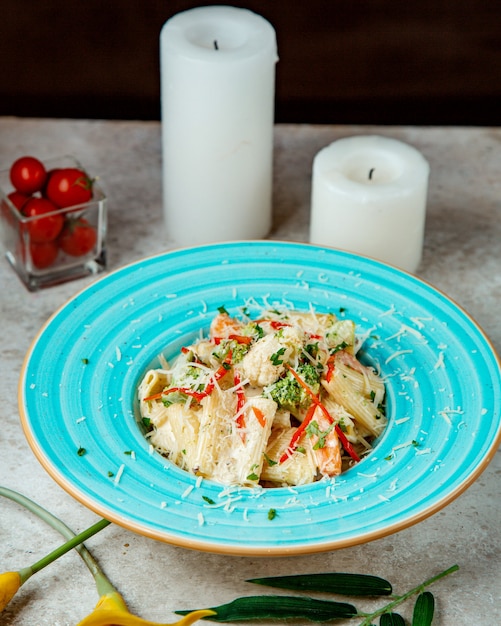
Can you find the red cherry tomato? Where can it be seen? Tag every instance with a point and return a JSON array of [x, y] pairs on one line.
[[78, 237], [18, 199], [47, 227], [43, 254], [49, 175], [68, 187], [28, 175]]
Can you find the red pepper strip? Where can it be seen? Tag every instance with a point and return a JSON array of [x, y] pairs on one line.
[[186, 390], [316, 400], [240, 401], [276, 324], [297, 435], [330, 369], [223, 369], [198, 395], [241, 339], [259, 416], [346, 444], [238, 338]]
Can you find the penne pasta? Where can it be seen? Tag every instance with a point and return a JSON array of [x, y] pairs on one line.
[[277, 401]]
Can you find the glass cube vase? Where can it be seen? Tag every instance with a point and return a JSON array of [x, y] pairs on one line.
[[78, 250]]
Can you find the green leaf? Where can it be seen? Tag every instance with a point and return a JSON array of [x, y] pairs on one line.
[[391, 619], [275, 358], [272, 513], [346, 584], [423, 609], [279, 607]]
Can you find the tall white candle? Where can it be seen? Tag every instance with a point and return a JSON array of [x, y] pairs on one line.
[[369, 197], [217, 93]]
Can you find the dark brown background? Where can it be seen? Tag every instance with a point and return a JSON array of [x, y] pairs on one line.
[[341, 61]]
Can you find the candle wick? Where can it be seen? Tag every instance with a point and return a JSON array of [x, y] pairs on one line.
[[371, 172], [216, 47]]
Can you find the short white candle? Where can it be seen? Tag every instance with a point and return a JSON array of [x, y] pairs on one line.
[[369, 197], [217, 94]]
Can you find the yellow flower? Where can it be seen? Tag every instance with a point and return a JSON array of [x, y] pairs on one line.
[[111, 610], [9, 585]]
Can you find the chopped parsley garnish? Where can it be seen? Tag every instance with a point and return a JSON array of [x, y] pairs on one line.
[[312, 349], [272, 513], [259, 330], [339, 347], [81, 451], [208, 500], [289, 394], [313, 429], [275, 358], [270, 462]]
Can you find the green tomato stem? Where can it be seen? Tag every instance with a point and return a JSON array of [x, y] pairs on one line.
[[74, 541]]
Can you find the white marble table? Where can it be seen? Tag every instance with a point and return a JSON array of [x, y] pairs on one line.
[[462, 257]]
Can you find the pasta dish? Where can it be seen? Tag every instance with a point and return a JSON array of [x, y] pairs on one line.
[[276, 401]]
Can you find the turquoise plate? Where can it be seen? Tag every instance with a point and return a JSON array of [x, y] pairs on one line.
[[77, 396]]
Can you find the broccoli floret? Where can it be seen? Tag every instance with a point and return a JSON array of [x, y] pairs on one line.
[[254, 330], [188, 377], [289, 394], [238, 350]]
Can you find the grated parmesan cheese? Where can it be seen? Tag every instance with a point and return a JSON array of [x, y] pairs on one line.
[[402, 445], [187, 491], [397, 354], [119, 474], [440, 361], [404, 330], [419, 452], [418, 321], [402, 420]]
